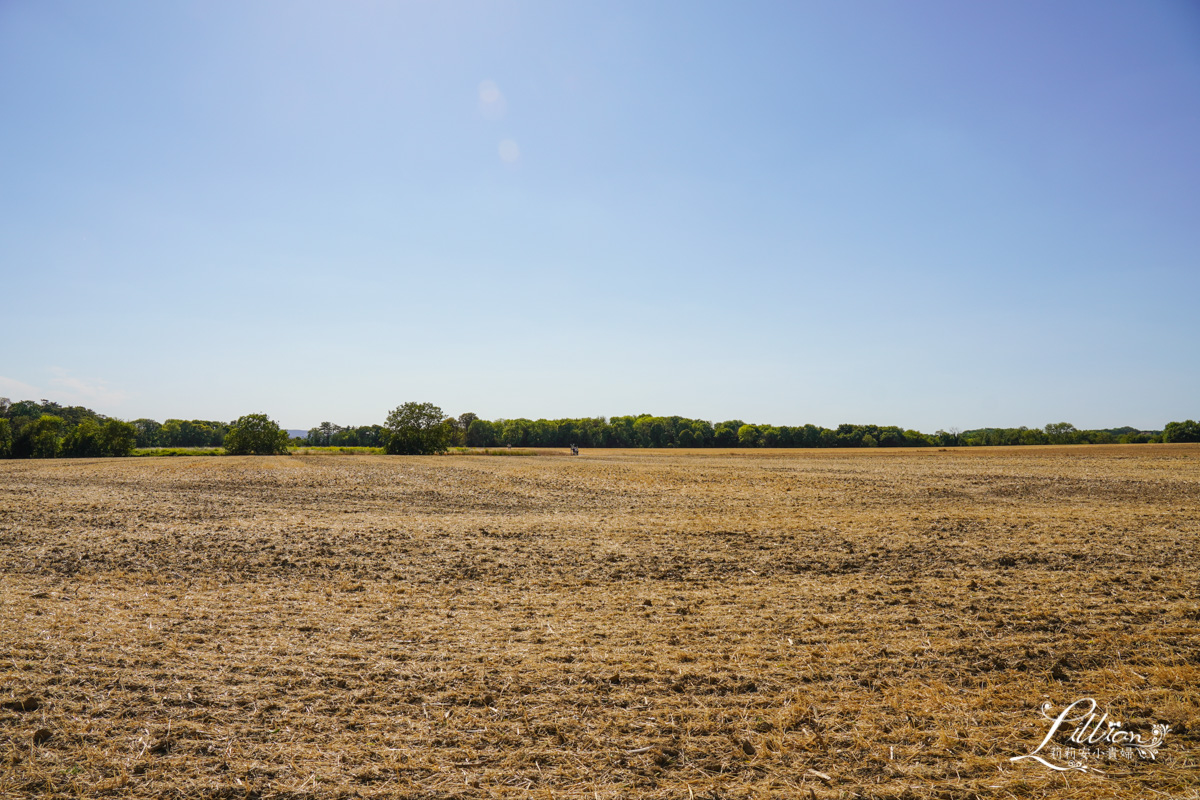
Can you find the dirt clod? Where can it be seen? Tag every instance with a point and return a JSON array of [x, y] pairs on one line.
[[23, 705]]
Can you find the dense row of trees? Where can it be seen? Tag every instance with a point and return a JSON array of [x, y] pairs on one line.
[[650, 431], [180, 433], [411, 429], [46, 430], [646, 430], [328, 434], [1058, 433], [50, 430]]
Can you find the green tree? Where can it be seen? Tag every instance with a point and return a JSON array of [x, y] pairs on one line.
[[748, 435], [416, 429], [345, 437], [192, 433], [726, 433], [481, 433], [515, 432], [325, 433], [1186, 431], [648, 431], [808, 436], [947, 438], [453, 435], [1032, 437], [83, 441], [118, 438], [889, 436], [6, 437], [702, 433], [149, 432], [463, 425], [1062, 433], [568, 433], [619, 432], [46, 436], [255, 434], [849, 435]]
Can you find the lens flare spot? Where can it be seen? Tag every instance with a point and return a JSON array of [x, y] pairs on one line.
[[489, 92], [509, 152], [491, 100]]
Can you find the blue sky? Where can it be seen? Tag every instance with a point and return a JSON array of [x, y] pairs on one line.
[[929, 214]]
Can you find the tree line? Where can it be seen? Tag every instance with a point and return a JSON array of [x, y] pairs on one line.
[[47, 429], [50, 430], [646, 430]]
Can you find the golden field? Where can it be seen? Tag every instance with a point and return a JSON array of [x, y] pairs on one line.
[[665, 624]]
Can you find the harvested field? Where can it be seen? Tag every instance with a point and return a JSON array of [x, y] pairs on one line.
[[878, 624]]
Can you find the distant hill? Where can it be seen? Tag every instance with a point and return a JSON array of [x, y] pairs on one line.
[[295, 434]]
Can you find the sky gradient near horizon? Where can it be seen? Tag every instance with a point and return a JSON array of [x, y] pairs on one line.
[[927, 214]]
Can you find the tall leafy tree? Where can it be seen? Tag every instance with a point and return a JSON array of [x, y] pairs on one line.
[[726, 433], [1062, 433], [416, 429], [149, 433], [481, 433], [462, 425], [1186, 431], [255, 434], [83, 441], [46, 436], [748, 435], [118, 438]]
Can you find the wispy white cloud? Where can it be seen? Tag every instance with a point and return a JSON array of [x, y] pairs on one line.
[[18, 390], [93, 391]]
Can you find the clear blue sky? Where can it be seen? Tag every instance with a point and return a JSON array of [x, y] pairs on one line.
[[929, 214]]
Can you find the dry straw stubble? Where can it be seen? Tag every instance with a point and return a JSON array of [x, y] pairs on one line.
[[622, 624]]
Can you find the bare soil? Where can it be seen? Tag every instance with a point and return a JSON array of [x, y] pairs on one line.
[[682, 624]]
